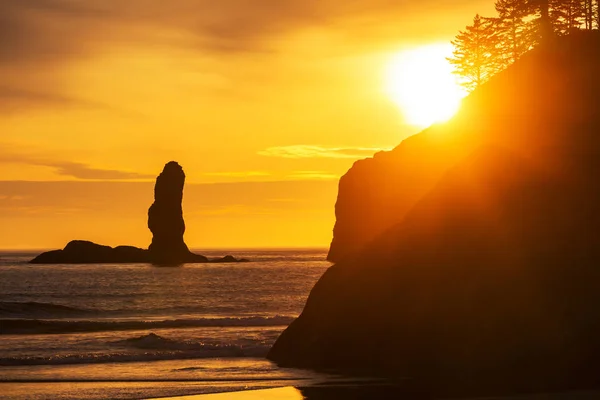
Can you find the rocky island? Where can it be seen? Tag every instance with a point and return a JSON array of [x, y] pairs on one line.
[[468, 258], [165, 221]]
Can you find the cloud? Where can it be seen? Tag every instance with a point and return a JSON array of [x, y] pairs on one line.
[[239, 174], [51, 29], [74, 169], [47, 35], [40, 30], [7, 92], [284, 200], [278, 176], [17, 99], [231, 210], [309, 151], [313, 175], [13, 198], [83, 171]]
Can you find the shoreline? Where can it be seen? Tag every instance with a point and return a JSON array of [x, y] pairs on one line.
[[326, 388], [363, 392], [283, 393]]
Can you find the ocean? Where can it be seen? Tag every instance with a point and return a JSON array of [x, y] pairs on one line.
[[133, 331]]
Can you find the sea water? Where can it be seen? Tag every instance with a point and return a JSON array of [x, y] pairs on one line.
[[137, 331]]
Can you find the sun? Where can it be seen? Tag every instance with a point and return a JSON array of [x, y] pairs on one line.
[[421, 83]]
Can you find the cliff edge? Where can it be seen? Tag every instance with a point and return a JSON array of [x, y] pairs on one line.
[[489, 283], [533, 106]]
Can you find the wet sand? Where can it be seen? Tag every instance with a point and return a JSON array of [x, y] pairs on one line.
[[285, 393], [362, 392]]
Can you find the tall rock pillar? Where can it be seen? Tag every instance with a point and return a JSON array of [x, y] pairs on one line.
[[165, 217]]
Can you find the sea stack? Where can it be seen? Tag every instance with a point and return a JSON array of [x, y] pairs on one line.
[[165, 217], [165, 221]]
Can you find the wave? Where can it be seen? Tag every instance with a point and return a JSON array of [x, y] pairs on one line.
[[265, 256], [41, 326], [13, 309], [38, 310], [153, 341], [199, 351]]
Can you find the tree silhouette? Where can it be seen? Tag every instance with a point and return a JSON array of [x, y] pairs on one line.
[[513, 30], [566, 15], [543, 7], [476, 56], [589, 14], [492, 44]]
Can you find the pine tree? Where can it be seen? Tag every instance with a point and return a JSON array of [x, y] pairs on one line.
[[589, 15], [476, 57], [566, 15], [546, 27], [537, 12], [492, 44], [512, 29]]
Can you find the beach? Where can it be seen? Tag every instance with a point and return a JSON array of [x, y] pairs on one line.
[[133, 331]]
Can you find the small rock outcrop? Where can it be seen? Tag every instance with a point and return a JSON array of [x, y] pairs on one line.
[[490, 283], [165, 221], [84, 252]]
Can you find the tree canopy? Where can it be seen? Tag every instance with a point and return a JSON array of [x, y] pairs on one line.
[[489, 45]]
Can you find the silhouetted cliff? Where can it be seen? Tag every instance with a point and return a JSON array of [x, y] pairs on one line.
[[558, 81], [490, 282], [377, 192], [165, 221]]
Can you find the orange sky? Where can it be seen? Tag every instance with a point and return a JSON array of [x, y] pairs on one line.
[[265, 103]]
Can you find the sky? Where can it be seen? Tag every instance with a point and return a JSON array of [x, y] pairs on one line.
[[264, 103]]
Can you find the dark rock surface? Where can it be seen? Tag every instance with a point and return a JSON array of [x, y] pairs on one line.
[[510, 110], [165, 221], [84, 252], [165, 217], [229, 259], [490, 283], [376, 193]]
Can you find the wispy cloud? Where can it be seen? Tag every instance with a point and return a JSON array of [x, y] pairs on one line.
[[284, 200], [83, 171], [312, 175], [239, 174], [73, 169], [309, 151], [16, 99], [233, 209], [47, 35], [35, 30]]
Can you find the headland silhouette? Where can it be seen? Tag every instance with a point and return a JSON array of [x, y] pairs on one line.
[[467, 257]]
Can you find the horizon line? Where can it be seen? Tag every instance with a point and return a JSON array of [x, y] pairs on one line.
[[195, 249], [153, 180]]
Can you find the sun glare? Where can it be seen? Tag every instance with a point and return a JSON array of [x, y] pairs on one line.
[[421, 82]]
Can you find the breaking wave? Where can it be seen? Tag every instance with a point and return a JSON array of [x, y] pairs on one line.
[[199, 351], [13, 309], [153, 341], [42, 326]]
